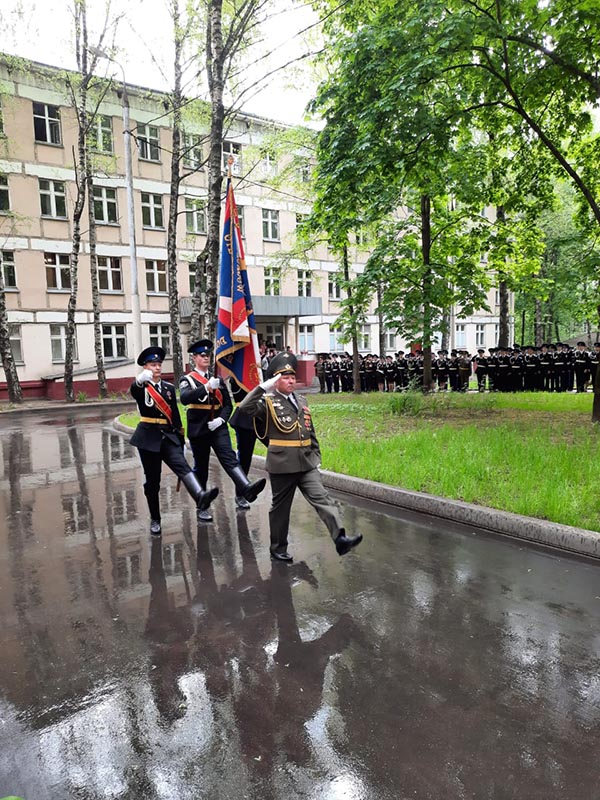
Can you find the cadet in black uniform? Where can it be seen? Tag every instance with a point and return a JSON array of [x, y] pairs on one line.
[[159, 435], [594, 359], [582, 366], [481, 368], [208, 411], [531, 366]]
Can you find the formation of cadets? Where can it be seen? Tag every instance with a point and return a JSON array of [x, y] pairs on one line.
[[549, 368]]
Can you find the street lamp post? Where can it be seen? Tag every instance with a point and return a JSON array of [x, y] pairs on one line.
[[135, 289]]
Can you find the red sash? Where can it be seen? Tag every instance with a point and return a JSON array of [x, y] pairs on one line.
[[204, 381], [160, 402]]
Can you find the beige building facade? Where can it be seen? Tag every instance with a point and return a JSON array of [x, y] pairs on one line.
[[294, 307]]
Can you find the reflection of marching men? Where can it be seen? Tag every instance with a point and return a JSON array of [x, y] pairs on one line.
[[159, 435], [208, 410], [293, 456], [168, 628]]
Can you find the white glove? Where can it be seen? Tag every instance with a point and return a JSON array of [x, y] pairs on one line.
[[215, 423], [269, 384], [214, 383], [144, 376]]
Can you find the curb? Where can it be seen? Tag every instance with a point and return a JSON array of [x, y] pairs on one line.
[[529, 529]]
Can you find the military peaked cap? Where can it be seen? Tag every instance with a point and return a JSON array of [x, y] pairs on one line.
[[203, 347], [151, 354], [282, 363]]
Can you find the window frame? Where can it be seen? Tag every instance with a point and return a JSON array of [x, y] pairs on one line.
[[52, 194], [114, 336], [480, 334], [195, 211], [334, 290], [15, 335], [306, 337], [61, 266], [154, 274], [109, 268], [4, 189], [8, 264], [193, 157], [100, 133], [270, 225], [305, 279], [106, 204], [148, 142], [231, 148], [272, 281], [61, 337], [51, 123], [460, 335], [152, 207], [161, 337]]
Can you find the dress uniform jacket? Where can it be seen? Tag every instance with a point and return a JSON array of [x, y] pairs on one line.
[[293, 444], [149, 435], [202, 405]]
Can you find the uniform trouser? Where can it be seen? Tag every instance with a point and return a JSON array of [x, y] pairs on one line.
[[321, 383], [581, 377], [246, 439], [329, 382], [481, 375], [220, 442], [283, 487], [531, 381], [174, 458]]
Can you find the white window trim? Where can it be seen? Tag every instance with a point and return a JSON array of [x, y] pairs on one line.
[[147, 141], [109, 269], [152, 207], [52, 193], [155, 273], [105, 202], [270, 218]]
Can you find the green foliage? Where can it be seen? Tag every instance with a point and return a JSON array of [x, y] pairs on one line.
[[509, 452], [82, 397]]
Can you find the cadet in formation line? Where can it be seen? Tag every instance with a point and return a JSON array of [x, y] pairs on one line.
[[549, 368]]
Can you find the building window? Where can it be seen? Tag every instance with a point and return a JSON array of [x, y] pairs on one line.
[[148, 142], [390, 341], [156, 276], [270, 225], [75, 514], [152, 211], [335, 345], [129, 571], [479, 335], [306, 338], [4, 198], [53, 199], [58, 343], [9, 273], [361, 237], [242, 221], [16, 345], [195, 215], [46, 123], [101, 134], [160, 337], [364, 337], [304, 283], [497, 297], [58, 272], [496, 333], [105, 205], [304, 172], [110, 278], [272, 281], [192, 150], [461, 338], [114, 343], [123, 503], [234, 150], [334, 290], [268, 162], [301, 219]]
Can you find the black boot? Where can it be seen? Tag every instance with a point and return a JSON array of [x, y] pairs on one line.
[[202, 498], [343, 543], [243, 487]]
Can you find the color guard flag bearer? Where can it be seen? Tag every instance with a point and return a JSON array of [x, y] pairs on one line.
[[236, 348]]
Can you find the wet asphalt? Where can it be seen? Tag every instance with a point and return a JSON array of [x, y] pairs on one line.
[[435, 661]]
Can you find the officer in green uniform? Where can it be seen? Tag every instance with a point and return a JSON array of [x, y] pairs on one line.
[[293, 456]]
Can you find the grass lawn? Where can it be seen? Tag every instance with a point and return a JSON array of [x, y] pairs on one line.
[[533, 454]]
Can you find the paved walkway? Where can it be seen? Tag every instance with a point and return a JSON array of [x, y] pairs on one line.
[[437, 661]]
